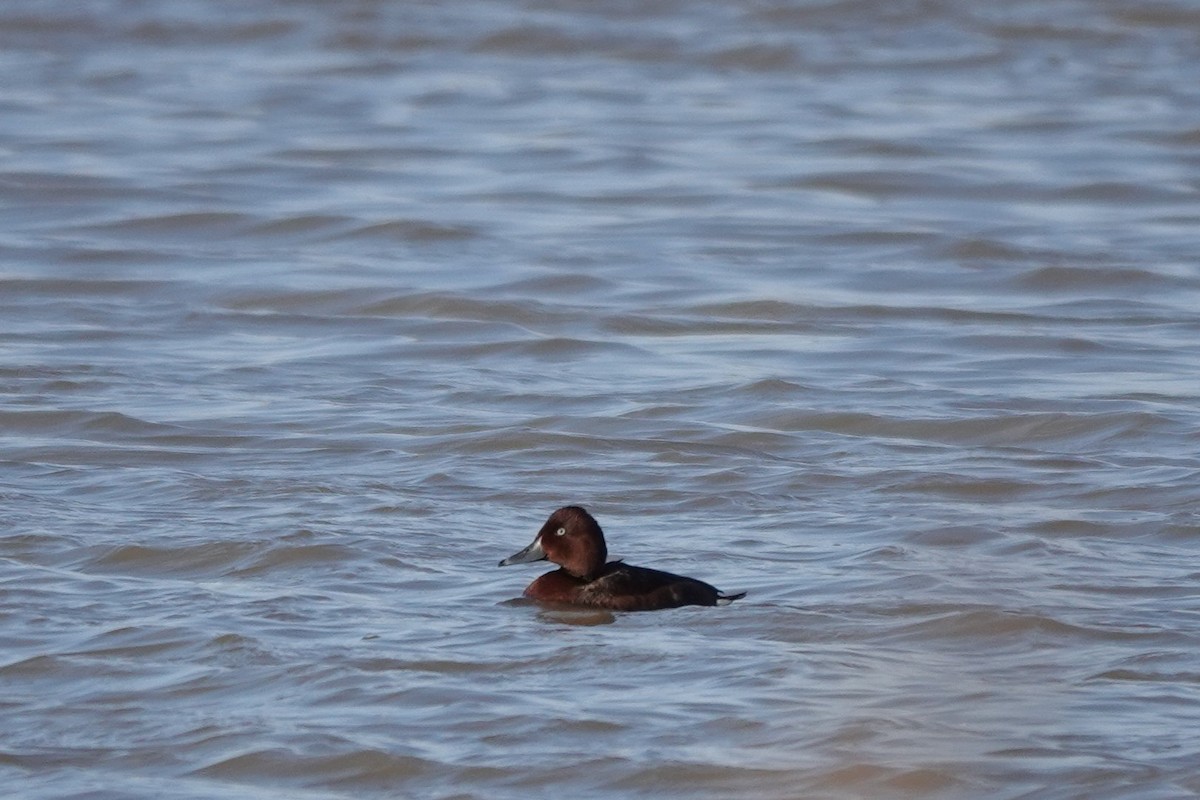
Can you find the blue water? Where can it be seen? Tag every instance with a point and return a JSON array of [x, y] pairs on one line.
[[310, 313]]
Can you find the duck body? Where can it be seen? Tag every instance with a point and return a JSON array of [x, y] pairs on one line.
[[624, 587], [573, 539]]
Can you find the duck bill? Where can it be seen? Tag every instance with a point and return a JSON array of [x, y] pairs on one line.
[[532, 553]]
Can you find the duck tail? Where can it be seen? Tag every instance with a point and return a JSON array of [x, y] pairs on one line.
[[725, 599]]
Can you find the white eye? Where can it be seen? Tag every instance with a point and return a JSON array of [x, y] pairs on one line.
[[560, 532]]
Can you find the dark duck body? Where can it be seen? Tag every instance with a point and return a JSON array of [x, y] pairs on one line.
[[572, 539]]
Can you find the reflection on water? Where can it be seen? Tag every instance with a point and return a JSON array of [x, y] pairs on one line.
[[309, 313]]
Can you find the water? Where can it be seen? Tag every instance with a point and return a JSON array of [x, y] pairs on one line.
[[311, 312]]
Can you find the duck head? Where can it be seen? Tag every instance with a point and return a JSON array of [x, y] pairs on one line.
[[570, 538]]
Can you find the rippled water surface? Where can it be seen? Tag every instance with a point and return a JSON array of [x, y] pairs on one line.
[[887, 313]]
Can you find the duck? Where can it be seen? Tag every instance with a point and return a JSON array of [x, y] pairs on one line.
[[572, 539]]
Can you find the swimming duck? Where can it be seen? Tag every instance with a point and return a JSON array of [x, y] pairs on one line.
[[572, 539]]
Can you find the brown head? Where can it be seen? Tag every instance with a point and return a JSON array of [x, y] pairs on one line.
[[572, 539]]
